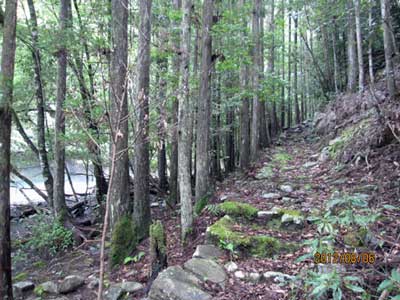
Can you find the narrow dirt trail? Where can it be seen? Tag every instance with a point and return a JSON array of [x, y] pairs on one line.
[[288, 176]]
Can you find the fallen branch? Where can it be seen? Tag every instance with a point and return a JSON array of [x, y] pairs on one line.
[[30, 183]]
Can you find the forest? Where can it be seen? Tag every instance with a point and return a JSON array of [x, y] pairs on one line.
[[200, 149]]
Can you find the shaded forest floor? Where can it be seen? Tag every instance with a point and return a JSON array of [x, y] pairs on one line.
[[294, 176]]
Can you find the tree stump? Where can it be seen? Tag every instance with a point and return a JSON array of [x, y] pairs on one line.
[[158, 249]]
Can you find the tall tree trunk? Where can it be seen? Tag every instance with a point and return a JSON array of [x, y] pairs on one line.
[[351, 51], [244, 109], [283, 111], [271, 69], [60, 208], [184, 125], [359, 45], [41, 134], [256, 56], [203, 112], [335, 63], [141, 208], [6, 97], [371, 30], [230, 132], [389, 69], [118, 189], [295, 88], [173, 180], [289, 89]]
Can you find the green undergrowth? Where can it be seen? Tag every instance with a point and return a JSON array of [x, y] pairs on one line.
[[224, 232]]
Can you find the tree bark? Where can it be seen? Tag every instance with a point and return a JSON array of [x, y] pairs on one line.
[[184, 125], [6, 98], [203, 108], [359, 46], [244, 109], [141, 210], [283, 107], [60, 208], [295, 91], [40, 104], [289, 89], [371, 30], [256, 56], [119, 189], [173, 181], [389, 65], [351, 51]]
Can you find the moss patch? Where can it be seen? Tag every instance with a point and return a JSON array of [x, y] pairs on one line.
[[20, 277], [265, 173], [238, 209], [281, 158], [259, 245], [157, 236], [356, 238], [123, 241]]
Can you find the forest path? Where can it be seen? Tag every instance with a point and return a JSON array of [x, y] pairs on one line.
[[292, 176]]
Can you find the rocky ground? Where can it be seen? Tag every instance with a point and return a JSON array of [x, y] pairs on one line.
[[263, 221]]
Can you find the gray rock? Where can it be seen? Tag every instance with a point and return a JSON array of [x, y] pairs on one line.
[[267, 215], [254, 277], [206, 269], [324, 156], [115, 292], [271, 196], [240, 275], [231, 266], [24, 286], [277, 276], [310, 164], [223, 198], [286, 188], [131, 286], [50, 287], [207, 251], [70, 284], [174, 283], [154, 204]]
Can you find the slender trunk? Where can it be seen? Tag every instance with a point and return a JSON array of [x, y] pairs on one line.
[[264, 106], [271, 70], [371, 30], [289, 91], [295, 91], [359, 45], [60, 208], [389, 69], [184, 124], [173, 181], [351, 51], [335, 60], [41, 134], [141, 208], [6, 98], [203, 113], [283, 68], [255, 133], [118, 193], [230, 132]]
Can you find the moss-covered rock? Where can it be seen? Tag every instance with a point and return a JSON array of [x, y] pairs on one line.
[[158, 248], [123, 241], [356, 238], [238, 209], [266, 172], [259, 245], [281, 158]]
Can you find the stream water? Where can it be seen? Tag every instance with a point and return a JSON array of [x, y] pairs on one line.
[[76, 169]]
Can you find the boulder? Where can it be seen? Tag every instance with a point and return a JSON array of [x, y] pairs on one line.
[[240, 275], [254, 277], [49, 287], [115, 292], [70, 284], [207, 251], [206, 269], [277, 276], [174, 283], [24, 286]]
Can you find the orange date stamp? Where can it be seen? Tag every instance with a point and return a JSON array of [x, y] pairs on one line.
[[345, 258]]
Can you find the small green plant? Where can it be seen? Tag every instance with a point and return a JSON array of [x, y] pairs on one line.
[[325, 224], [392, 284], [135, 258], [200, 205], [331, 283], [213, 209], [228, 246], [50, 237]]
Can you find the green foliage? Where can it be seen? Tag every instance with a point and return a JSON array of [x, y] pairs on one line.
[[20, 277], [332, 283], [214, 209], [238, 209], [135, 258], [157, 236], [50, 237], [282, 158], [391, 284], [39, 291], [123, 241]]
